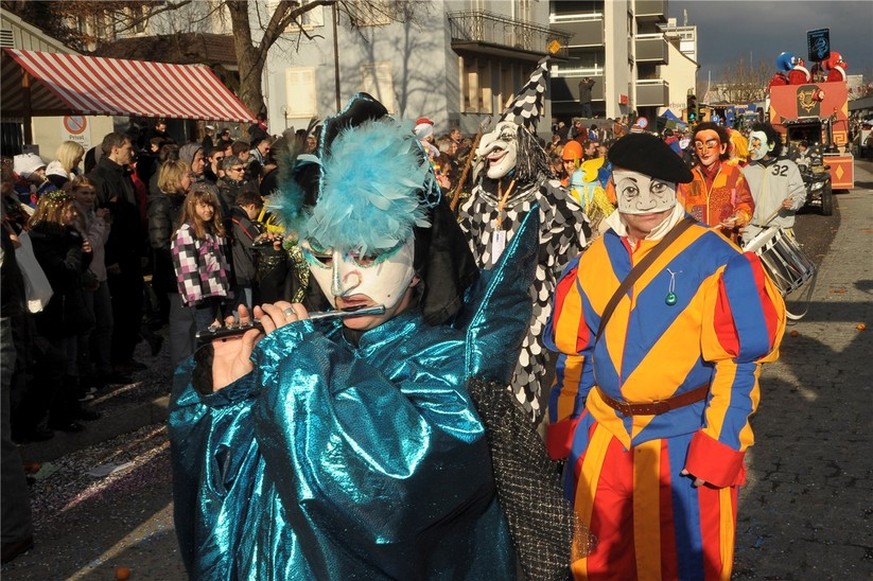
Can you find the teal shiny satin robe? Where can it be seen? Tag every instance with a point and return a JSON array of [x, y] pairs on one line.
[[335, 461]]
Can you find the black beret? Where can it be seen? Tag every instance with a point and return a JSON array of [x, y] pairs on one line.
[[647, 154]]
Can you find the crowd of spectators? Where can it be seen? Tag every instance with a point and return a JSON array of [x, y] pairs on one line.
[[156, 233], [126, 258]]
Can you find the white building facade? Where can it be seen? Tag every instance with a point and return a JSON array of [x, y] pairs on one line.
[[640, 63], [457, 63]]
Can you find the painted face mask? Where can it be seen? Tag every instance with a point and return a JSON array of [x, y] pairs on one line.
[[759, 147], [382, 278], [708, 147], [499, 149], [638, 193]]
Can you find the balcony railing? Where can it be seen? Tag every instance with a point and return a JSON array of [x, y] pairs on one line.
[[650, 10], [653, 93], [652, 48], [493, 29], [565, 87], [584, 32]]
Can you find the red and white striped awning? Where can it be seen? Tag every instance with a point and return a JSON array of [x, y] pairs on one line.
[[61, 84]]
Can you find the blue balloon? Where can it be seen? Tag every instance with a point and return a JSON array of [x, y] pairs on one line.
[[784, 62]]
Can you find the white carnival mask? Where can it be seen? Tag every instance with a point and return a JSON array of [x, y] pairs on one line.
[[383, 278], [638, 193], [499, 149], [759, 147]]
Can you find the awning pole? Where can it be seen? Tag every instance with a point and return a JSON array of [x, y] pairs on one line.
[[26, 110]]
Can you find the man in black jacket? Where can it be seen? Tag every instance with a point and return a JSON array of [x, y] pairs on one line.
[[124, 248], [245, 233], [111, 176]]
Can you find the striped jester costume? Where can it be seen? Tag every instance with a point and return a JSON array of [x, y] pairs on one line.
[[623, 472]]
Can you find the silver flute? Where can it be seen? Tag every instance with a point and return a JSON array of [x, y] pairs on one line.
[[213, 333]]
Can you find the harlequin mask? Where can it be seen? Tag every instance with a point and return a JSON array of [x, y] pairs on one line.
[[638, 193], [499, 149]]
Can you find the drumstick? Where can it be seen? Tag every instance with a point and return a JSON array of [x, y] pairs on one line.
[[771, 216], [212, 333]]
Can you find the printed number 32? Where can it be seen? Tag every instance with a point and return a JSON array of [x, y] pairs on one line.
[[780, 170]]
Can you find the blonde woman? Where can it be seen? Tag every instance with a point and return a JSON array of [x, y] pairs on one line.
[[66, 163], [165, 210]]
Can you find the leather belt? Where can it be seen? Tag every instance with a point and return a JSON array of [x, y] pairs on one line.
[[655, 408]]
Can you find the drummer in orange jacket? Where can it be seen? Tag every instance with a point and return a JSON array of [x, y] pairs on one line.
[[719, 194]]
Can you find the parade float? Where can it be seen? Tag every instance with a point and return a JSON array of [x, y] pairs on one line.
[[813, 105]]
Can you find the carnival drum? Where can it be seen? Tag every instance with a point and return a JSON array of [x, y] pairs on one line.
[[786, 263]]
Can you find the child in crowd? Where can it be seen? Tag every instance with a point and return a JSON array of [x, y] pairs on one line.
[[64, 256], [95, 349], [199, 259]]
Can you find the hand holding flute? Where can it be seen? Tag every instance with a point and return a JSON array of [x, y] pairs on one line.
[[233, 344]]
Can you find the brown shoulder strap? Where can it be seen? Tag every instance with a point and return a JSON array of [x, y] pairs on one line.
[[639, 269]]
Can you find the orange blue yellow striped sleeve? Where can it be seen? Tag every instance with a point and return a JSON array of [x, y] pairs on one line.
[[745, 327], [567, 333]]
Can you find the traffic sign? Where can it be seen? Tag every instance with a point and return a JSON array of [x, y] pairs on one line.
[[75, 124]]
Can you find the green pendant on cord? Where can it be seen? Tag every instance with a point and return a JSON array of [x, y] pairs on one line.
[[670, 299]]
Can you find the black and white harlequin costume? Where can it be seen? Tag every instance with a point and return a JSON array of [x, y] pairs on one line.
[[515, 178]]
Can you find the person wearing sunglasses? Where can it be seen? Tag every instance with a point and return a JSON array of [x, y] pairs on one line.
[[231, 182], [260, 155], [214, 169]]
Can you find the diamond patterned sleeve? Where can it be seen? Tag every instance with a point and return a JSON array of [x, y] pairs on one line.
[[184, 249]]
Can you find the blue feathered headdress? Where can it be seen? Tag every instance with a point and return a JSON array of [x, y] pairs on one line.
[[376, 184]]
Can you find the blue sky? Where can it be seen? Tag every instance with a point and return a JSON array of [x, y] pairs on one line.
[[727, 31]]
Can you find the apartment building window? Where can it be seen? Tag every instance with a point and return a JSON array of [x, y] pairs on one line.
[[523, 10], [312, 18], [137, 19], [507, 85], [379, 82], [104, 26], [476, 89], [300, 98], [372, 13]]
